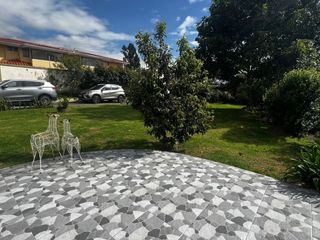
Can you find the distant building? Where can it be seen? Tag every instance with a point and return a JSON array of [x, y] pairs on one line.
[[27, 60]]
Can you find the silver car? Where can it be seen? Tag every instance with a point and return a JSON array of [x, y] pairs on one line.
[[27, 91], [103, 92]]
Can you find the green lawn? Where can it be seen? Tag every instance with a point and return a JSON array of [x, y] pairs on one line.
[[238, 139]]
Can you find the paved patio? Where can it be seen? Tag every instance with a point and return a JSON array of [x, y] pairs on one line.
[[132, 194]]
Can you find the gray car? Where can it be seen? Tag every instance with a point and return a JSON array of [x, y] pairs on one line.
[[28, 90], [103, 92]]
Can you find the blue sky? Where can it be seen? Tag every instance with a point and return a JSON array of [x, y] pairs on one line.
[[98, 26]]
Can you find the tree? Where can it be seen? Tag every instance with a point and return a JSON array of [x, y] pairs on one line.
[[72, 71], [131, 56], [255, 37], [170, 95]]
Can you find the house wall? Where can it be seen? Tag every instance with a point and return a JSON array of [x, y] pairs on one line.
[[14, 72], [44, 64], [11, 54], [2, 52]]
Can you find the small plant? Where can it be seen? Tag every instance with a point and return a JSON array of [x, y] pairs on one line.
[[63, 104], [4, 105], [306, 168]]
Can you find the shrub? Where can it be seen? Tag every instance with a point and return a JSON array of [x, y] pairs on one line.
[[111, 75], [4, 105], [306, 168], [294, 102], [62, 104]]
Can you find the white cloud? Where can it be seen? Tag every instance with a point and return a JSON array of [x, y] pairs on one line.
[[205, 10], [186, 25], [194, 43], [154, 20], [194, 1], [178, 18], [71, 25]]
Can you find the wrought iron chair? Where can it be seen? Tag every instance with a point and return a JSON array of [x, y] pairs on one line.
[[48, 138], [69, 141]]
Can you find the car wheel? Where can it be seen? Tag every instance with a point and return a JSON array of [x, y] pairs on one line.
[[45, 100], [96, 99], [121, 99]]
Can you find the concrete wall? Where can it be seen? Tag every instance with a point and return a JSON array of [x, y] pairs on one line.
[[14, 72]]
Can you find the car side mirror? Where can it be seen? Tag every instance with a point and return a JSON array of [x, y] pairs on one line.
[[3, 87]]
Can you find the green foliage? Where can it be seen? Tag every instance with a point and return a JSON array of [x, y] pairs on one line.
[[306, 168], [170, 95], [111, 75], [131, 56], [308, 55], [4, 105], [72, 71], [294, 102], [259, 37], [62, 104]]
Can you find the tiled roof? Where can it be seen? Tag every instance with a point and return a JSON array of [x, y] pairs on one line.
[[27, 44], [15, 62]]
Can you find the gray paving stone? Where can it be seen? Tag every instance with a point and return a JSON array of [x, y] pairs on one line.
[[139, 194]]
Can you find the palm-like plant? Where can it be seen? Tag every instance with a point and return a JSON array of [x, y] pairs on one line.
[[306, 168]]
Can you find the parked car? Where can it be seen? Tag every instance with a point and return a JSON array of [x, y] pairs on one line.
[[103, 92], [28, 90]]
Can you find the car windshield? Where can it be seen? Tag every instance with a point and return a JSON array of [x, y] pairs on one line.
[[97, 87], [4, 82]]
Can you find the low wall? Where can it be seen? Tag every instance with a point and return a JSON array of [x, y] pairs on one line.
[[16, 72]]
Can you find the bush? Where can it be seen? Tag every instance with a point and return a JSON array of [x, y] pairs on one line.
[[295, 102], [111, 75], [62, 104], [306, 168], [217, 95], [4, 105]]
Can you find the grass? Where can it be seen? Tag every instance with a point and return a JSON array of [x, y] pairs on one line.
[[238, 139]]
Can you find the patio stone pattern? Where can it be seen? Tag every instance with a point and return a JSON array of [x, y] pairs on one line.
[[144, 194]]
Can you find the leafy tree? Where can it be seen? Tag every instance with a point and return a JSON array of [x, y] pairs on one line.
[[111, 75], [170, 95], [72, 71], [131, 56], [255, 36]]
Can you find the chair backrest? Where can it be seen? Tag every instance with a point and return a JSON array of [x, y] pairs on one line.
[[52, 126], [66, 127]]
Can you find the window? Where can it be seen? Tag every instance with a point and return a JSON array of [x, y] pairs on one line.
[[90, 61], [12, 49], [97, 87], [38, 54], [115, 87], [32, 84], [13, 84], [26, 52], [51, 57], [106, 89]]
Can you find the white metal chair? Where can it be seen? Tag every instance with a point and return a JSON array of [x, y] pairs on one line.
[[48, 138], [69, 141]]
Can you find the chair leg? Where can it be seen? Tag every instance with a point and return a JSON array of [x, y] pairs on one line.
[[34, 153], [71, 155], [78, 150], [40, 151], [52, 152]]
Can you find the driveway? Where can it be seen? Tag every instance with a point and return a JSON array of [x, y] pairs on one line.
[[138, 194]]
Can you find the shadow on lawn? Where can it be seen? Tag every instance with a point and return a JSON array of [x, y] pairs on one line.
[[122, 144], [247, 128], [112, 112]]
